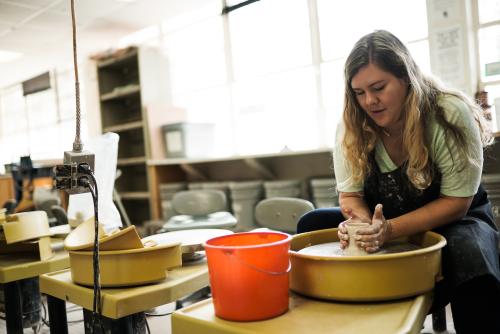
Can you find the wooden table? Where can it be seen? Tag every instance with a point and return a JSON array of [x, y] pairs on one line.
[[19, 266], [119, 304], [313, 316]]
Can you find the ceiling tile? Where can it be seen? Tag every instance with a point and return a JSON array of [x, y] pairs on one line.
[[14, 14], [50, 22], [31, 3], [24, 40], [88, 10], [45, 39]]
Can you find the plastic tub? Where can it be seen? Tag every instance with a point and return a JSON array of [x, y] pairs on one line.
[[490, 179], [323, 188], [172, 187], [284, 188], [245, 190], [323, 183], [167, 192], [167, 211], [25, 226], [244, 198], [325, 202], [82, 238], [126, 267], [195, 185], [249, 275]]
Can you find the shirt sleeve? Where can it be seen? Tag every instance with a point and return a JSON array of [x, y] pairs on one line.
[[460, 177], [343, 175]]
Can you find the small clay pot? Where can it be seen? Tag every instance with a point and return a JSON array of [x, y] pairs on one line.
[[352, 248]]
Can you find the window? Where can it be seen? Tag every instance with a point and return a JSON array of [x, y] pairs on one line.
[[194, 44], [269, 36], [253, 72], [14, 125], [488, 40], [66, 108], [342, 23], [274, 90], [276, 112], [196, 55], [269, 74], [489, 11], [42, 124]]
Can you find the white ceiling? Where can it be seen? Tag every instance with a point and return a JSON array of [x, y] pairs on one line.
[[41, 29]]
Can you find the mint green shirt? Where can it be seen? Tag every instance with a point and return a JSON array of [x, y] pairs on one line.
[[456, 182]]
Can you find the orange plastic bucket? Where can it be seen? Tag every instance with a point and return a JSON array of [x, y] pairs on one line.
[[249, 274]]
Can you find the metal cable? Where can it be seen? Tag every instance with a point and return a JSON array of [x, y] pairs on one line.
[[77, 144]]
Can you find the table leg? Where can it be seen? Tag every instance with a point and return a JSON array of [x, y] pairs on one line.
[[439, 320], [31, 302], [131, 324], [13, 307], [57, 315]]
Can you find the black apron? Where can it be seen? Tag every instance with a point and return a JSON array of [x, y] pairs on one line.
[[472, 242]]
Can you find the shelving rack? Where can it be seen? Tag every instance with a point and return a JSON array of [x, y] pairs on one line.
[[130, 83]]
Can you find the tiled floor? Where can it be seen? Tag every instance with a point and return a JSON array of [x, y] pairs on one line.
[[159, 321]]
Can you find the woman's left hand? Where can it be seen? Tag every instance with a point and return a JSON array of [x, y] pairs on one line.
[[373, 237]]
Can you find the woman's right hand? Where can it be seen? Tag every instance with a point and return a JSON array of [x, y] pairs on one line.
[[342, 232]]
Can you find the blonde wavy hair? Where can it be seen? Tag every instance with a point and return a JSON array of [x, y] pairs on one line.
[[387, 52]]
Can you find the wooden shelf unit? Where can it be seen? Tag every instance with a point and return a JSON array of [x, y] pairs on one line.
[[303, 165], [129, 82]]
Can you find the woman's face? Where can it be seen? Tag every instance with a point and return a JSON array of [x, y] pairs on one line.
[[380, 94]]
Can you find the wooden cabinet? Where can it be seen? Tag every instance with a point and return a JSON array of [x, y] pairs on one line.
[[131, 83]]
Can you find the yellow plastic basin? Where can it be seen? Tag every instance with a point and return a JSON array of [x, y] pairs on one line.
[[365, 278], [82, 238], [26, 226], [126, 267]]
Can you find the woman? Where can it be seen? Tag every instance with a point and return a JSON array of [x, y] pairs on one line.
[[408, 159]]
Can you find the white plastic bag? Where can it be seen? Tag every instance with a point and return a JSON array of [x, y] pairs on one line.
[[80, 206]]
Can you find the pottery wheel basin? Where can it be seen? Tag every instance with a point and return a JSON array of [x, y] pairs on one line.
[[373, 277]]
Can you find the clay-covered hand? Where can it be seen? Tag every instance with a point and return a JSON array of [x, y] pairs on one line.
[[374, 236], [342, 232]]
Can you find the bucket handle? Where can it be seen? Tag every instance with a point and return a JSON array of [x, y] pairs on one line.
[[230, 253]]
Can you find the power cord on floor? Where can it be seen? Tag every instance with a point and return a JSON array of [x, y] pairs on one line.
[[44, 317], [158, 315]]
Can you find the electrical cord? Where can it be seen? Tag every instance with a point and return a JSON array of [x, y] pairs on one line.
[[158, 315], [97, 283], [44, 317], [89, 181]]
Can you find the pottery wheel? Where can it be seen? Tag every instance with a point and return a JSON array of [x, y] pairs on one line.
[[191, 240], [60, 230], [333, 249]]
